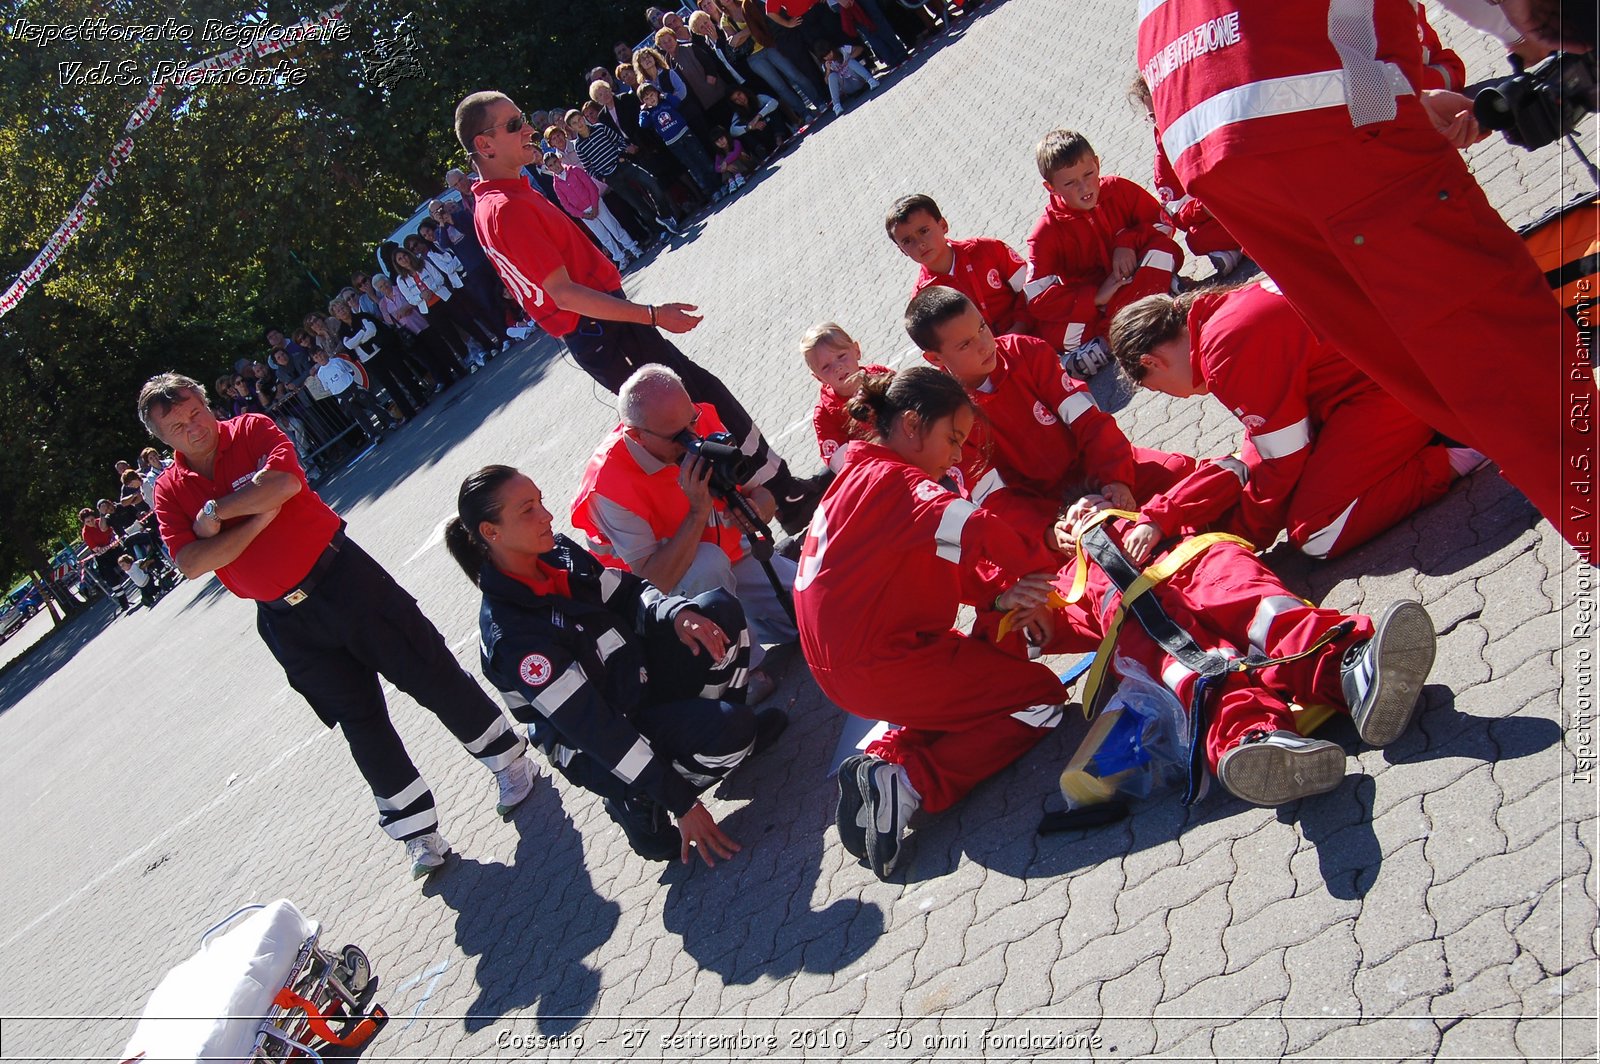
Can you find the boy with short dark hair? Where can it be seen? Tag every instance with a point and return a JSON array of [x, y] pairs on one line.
[[1101, 243], [985, 270], [1048, 442]]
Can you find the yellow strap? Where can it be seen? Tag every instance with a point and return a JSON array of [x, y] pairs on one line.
[[1080, 576], [1174, 560]]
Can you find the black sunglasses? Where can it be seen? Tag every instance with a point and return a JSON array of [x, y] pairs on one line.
[[512, 124]]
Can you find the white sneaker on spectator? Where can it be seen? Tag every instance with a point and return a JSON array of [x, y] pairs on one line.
[[427, 853]]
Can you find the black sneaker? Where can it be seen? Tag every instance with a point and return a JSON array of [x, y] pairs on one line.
[[770, 723], [849, 819], [888, 806], [798, 500], [1273, 768], [648, 825], [1382, 678]]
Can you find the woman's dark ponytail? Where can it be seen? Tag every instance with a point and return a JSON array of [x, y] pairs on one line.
[[922, 390], [477, 502]]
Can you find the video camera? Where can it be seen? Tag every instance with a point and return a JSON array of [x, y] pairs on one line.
[[730, 467], [1534, 107]]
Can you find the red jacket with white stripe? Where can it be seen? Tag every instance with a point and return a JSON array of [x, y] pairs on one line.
[[1441, 67], [889, 557], [1252, 76], [1259, 359], [835, 427], [1075, 247], [1183, 208], [990, 274], [1045, 433]]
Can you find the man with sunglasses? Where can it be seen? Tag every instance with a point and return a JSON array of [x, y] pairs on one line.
[[574, 291], [645, 503]]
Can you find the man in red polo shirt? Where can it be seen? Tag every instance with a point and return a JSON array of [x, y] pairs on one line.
[[573, 291], [235, 502]]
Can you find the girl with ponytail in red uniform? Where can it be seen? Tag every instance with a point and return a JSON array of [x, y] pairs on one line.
[[890, 556]]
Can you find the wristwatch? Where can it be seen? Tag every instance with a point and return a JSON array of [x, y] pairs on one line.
[[209, 510]]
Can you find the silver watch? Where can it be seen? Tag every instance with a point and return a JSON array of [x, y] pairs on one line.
[[209, 510]]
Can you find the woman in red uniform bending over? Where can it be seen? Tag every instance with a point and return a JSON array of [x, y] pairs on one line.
[[1327, 455], [890, 556]]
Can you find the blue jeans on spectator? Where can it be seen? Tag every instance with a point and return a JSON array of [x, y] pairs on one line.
[[688, 150], [884, 41], [787, 80]]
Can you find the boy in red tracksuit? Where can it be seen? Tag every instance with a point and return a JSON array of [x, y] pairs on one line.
[[1202, 232], [1047, 441], [983, 269], [1101, 243], [1231, 604], [1328, 455], [889, 558]]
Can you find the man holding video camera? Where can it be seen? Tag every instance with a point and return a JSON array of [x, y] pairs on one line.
[[1301, 129], [679, 519]]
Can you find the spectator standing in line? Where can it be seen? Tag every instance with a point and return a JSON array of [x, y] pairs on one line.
[[398, 313], [235, 502], [573, 292], [362, 339], [663, 113], [745, 25], [426, 243], [705, 87], [338, 375], [604, 152], [580, 197], [420, 281]]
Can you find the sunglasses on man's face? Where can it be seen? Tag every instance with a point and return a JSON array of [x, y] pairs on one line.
[[512, 124]]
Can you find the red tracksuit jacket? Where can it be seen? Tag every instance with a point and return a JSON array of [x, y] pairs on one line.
[[1259, 360], [1076, 246], [990, 274]]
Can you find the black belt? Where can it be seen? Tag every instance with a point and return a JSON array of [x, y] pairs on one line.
[[309, 582]]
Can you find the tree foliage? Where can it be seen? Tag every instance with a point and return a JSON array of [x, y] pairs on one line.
[[235, 198]]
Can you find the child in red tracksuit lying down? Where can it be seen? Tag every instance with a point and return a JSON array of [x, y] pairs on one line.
[[1202, 232], [1101, 243], [981, 268], [890, 557], [1327, 454], [1043, 442], [1231, 607]]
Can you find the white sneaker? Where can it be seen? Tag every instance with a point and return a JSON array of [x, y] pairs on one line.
[[427, 853], [1085, 360], [1274, 768], [1225, 262], [516, 783]]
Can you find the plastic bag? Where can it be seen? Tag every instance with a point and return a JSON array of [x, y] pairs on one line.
[[1137, 747]]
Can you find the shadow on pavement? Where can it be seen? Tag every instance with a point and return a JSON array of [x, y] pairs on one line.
[[753, 916], [531, 924], [53, 652]]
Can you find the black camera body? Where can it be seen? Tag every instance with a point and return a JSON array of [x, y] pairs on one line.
[[730, 467], [1535, 107]]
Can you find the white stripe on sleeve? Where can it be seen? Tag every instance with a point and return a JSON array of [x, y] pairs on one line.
[[1280, 443], [634, 761], [1075, 406], [951, 524]]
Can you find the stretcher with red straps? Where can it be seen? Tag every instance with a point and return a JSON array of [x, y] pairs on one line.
[[263, 990]]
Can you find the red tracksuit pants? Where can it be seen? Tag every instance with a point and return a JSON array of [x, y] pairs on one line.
[[963, 706], [1372, 465], [1227, 600], [1157, 264], [1388, 248], [1210, 235]]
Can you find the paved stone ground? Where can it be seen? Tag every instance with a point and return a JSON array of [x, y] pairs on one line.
[[158, 772]]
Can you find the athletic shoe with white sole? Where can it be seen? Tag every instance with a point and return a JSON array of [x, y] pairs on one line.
[[1272, 768], [888, 802], [1085, 360], [851, 818], [427, 853], [1382, 678], [516, 783]]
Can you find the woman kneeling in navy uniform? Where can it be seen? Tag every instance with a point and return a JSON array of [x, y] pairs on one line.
[[634, 695]]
